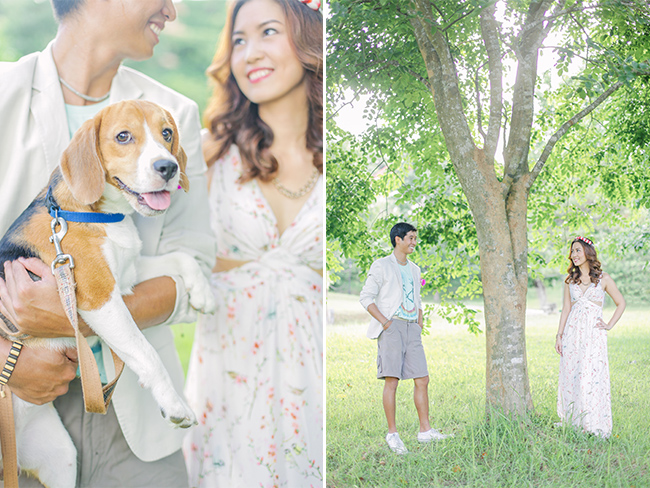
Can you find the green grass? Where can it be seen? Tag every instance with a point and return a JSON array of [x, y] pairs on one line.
[[183, 338], [498, 453]]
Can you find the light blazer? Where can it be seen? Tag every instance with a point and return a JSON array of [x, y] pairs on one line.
[[383, 287], [33, 135]]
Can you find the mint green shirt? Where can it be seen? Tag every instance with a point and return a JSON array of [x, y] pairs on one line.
[[78, 114], [408, 309]]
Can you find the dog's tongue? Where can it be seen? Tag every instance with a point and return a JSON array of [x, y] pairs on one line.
[[158, 200]]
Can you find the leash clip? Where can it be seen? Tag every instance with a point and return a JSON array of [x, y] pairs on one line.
[[56, 238]]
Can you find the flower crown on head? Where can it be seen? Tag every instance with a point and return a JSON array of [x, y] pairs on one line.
[[584, 239], [312, 4]]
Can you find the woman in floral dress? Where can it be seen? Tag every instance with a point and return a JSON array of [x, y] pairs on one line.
[[584, 398], [255, 376]]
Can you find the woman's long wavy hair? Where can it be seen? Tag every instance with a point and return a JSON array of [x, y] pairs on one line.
[[592, 258], [233, 119]]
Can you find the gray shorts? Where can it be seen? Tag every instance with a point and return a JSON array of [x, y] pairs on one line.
[[400, 353], [104, 457]]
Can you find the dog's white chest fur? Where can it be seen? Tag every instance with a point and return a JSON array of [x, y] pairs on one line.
[[121, 250]]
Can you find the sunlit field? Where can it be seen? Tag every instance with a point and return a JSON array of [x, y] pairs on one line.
[[500, 453]]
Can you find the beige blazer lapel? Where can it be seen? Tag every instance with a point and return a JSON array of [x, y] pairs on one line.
[[48, 108]]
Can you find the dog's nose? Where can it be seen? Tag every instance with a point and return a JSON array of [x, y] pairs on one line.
[[166, 168]]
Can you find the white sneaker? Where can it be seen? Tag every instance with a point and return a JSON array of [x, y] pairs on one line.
[[395, 443], [432, 435]]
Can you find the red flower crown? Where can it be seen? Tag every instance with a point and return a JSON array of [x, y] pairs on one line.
[[585, 240], [312, 4]]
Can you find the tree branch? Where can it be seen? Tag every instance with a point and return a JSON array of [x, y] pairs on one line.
[[420, 78], [490, 34], [565, 128], [378, 147], [523, 98], [551, 19], [573, 53], [554, 16], [457, 20], [582, 28], [438, 10], [442, 73], [350, 102], [479, 112]]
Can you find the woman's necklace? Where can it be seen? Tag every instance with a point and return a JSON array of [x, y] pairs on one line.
[[302, 191], [81, 95]]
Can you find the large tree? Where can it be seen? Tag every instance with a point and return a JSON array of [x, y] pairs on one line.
[[459, 81]]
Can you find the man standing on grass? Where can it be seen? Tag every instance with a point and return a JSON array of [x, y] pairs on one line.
[[392, 297]]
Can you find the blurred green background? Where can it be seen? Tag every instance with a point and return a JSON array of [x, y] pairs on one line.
[[180, 60]]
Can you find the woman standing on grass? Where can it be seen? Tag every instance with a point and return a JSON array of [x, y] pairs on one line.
[[255, 375], [584, 398]]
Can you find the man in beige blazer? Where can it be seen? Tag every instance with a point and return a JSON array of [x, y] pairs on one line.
[[391, 295], [44, 97]]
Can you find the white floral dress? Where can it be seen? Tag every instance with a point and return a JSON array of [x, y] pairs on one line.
[[256, 370], [584, 398]]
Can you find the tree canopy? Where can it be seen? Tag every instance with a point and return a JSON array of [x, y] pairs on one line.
[[476, 138]]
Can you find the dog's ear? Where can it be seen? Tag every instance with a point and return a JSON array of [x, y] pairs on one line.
[[178, 152], [184, 181], [81, 163]]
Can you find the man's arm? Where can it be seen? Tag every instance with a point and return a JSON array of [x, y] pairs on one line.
[[381, 318], [369, 292], [35, 307]]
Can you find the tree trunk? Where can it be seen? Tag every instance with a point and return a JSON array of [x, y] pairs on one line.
[[499, 208], [504, 295], [503, 251]]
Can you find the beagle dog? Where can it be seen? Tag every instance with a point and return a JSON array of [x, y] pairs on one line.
[[126, 159]]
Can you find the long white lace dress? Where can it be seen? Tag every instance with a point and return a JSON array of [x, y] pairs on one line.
[[584, 398], [256, 370]]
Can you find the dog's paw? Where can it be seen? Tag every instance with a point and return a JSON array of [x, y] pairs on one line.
[[183, 423], [201, 296], [179, 416]]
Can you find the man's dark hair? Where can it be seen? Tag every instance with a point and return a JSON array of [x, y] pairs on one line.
[[62, 8], [400, 230]]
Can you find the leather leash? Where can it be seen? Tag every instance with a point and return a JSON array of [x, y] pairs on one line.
[[96, 398], [8, 439]]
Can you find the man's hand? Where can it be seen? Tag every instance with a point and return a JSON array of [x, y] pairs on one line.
[[374, 311], [41, 375], [34, 307]]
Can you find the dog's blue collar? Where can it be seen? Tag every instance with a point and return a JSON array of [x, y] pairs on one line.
[[88, 217], [85, 217]]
